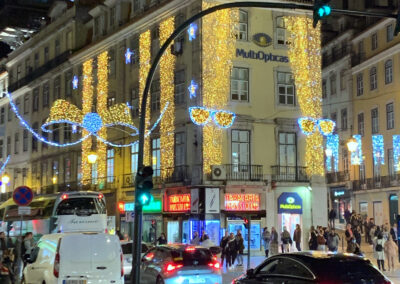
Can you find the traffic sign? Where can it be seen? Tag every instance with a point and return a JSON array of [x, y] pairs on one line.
[[24, 210], [130, 216], [23, 195]]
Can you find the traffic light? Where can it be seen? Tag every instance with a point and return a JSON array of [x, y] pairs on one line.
[[321, 10], [121, 207], [153, 223], [246, 223], [144, 184]]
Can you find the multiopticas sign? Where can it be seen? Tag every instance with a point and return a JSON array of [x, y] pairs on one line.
[[261, 55]]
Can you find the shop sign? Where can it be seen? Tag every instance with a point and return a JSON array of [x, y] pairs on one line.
[[339, 193], [155, 206], [261, 55], [194, 198], [212, 200], [178, 202], [290, 202], [242, 201]]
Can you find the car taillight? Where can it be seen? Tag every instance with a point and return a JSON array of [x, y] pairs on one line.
[[56, 269], [4, 270], [64, 196], [122, 265], [215, 265], [170, 267], [190, 249]]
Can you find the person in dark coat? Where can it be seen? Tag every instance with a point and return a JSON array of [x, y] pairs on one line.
[[357, 235], [347, 215], [312, 243], [231, 250], [222, 245], [240, 248], [393, 233], [332, 217], [162, 240]]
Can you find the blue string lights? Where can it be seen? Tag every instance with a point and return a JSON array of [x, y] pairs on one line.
[[396, 152], [75, 82], [193, 89], [128, 56], [3, 166], [92, 122], [192, 31], [357, 156], [378, 149], [332, 145]]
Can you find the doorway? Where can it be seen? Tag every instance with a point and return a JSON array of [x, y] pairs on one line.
[[393, 208], [378, 213]]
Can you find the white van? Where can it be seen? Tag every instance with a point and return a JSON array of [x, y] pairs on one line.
[[76, 258]]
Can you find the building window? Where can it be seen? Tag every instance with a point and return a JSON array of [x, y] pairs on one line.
[[56, 134], [362, 173], [287, 151], [69, 40], [345, 160], [68, 84], [16, 143], [46, 54], [36, 60], [390, 116], [134, 157], [112, 16], [2, 115], [57, 84], [67, 170], [180, 149], [360, 85], [19, 72], [45, 135], [324, 90], [111, 100], [112, 62], [242, 28], [286, 88], [374, 121], [389, 33], [35, 126], [333, 84], [240, 148], [28, 68], [360, 122], [134, 102], [35, 103], [343, 118], [155, 95], [1, 148], [9, 113], [26, 104], [8, 145], [342, 80], [57, 47], [388, 71], [391, 168], [156, 156], [46, 95], [25, 140], [281, 32], [373, 79], [374, 41], [180, 89], [240, 84], [110, 165]]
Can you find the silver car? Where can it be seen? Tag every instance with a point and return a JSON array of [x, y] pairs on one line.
[[180, 264], [127, 251]]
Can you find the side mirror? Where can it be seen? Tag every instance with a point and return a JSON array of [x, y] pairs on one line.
[[250, 272]]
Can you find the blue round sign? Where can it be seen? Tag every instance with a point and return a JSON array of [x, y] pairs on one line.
[[23, 195]]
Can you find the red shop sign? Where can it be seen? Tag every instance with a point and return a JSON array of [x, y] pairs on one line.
[[178, 202], [242, 201]]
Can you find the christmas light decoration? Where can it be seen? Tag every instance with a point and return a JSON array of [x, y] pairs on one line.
[[3, 166], [396, 151], [332, 144], [308, 125], [192, 31], [218, 50], [378, 149], [201, 116], [128, 56], [192, 89], [305, 59], [167, 93], [326, 126], [356, 156], [75, 82], [144, 67]]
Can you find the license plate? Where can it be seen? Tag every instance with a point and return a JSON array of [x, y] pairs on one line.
[[197, 280], [74, 282]]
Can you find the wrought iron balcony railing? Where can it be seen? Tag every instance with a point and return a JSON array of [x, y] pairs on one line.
[[289, 174]]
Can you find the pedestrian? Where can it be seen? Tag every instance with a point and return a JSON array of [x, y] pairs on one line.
[[120, 236], [332, 217], [357, 235], [223, 245], [391, 251], [231, 250], [207, 242], [202, 236], [333, 241], [28, 244], [3, 244], [240, 247], [266, 239], [286, 240], [347, 215], [312, 242], [350, 239], [379, 253], [273, 244], [385, 232], [393, 233], [297, 237], [321, 241], [378, 231], [196, 239], [162, 240], [366, 230]]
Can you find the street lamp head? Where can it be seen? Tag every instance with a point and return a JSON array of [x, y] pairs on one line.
[[352, 145], [54, 179], [92, 157], [5, 179]]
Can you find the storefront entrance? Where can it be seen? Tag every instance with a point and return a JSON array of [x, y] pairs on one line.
[[393, 208], [255, 232]]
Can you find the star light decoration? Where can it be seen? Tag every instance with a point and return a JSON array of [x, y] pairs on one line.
[[193, 89], [308, 125], [128, 56], [192, 31], [75, 82]]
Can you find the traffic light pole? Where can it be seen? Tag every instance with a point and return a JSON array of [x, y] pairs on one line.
[[137, 227], [248, 242]]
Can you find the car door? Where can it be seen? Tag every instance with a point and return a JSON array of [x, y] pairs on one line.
[[147, 260], [34, 270], [155, 267]]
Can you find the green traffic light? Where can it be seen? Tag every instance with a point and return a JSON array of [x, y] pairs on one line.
[[324, 11], [145, 198]]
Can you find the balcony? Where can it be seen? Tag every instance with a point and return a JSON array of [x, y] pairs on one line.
[[234, 172], [336, 177], [335, 56], [289, 174], [377, 182], [357, 58], [60, 59]]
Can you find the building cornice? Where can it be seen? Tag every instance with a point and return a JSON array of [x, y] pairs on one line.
[[368, 32]]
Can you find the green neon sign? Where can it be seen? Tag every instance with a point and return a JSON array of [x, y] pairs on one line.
[[155, 206]]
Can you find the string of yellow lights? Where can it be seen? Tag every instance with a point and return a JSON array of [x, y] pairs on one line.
[[101, 107], [167, 126], [305, 59]]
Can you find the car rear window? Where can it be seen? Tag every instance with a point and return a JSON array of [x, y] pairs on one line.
[[81, 206], [199, 256]]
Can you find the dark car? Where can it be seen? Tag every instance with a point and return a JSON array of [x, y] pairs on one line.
[[314, 267]]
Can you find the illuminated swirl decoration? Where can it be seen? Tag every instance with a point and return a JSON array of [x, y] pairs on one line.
[[201, 116], [309, 124], [3, 166]]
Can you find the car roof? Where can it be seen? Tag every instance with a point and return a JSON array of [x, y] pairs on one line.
[[180, 246], [61, 235]]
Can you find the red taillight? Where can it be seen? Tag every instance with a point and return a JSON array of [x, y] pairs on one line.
[[56, 269], [170, 267], [190, 249], [100, 196], [215, 265], [122, 265], [64, 196]]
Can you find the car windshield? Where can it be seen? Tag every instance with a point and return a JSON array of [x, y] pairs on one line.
[[198, 256], [81, 206]]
